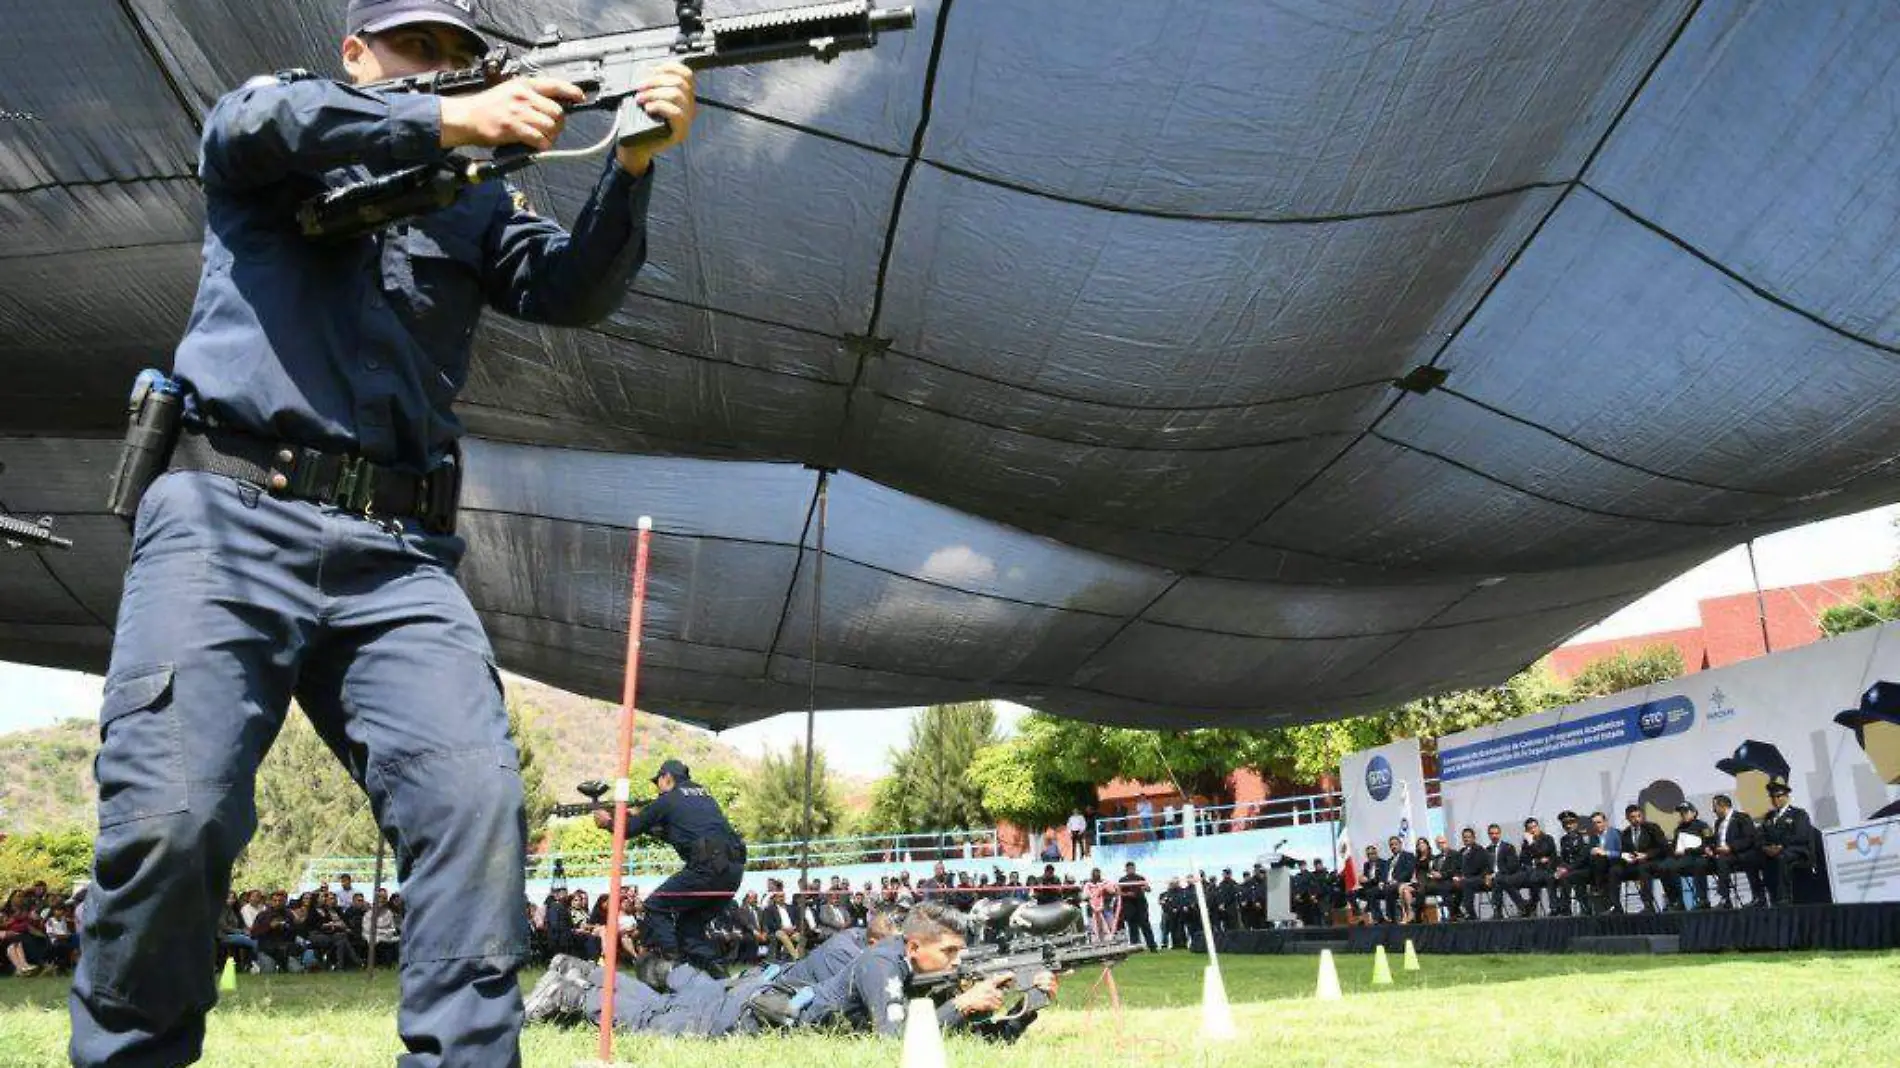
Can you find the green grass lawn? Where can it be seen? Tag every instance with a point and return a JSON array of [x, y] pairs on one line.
[[1539, 1012]]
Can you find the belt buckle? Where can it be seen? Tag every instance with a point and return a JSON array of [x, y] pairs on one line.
[[355, 484]]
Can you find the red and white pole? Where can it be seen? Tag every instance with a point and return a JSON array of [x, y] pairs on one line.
[[623, 762]]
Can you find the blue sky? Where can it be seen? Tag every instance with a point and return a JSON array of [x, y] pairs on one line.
[[858, 741]]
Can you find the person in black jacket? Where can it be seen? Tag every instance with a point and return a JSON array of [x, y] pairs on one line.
[[1411, 889], [1472, 874], [1440, 880], [686, 817], [1501, 868], [1643, 846], [1537, 860], [1571, 877], [1686, 859], [1375, 882], [1400, 866], [1734, 845], [1787, 841], [1134, 891]]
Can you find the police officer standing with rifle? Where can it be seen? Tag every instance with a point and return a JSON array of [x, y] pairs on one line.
[[294, 492], [686, 817]]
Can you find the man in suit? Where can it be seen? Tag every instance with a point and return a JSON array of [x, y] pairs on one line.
[[780, 924], [1787, 841], [1643, 846], [1399, 871], [1502, 861], [1876, 727], [1439, 879], [1474, 870], [1572, 876], [1606, 865], [1686, 860], [1536, 860], [1374, 881], [1734, 845]]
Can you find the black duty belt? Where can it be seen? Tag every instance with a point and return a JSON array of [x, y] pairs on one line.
[[351, 483]]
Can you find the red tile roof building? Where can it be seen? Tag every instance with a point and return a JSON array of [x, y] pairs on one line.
[[1731, 629]]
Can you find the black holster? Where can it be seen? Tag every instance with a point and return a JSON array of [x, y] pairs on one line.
[[152, 421]]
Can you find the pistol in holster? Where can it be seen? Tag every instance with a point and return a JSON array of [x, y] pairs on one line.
[[152, 419]]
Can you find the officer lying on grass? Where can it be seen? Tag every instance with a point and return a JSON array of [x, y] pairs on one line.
[[870, 994]]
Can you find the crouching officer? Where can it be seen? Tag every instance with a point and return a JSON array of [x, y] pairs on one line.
[[686, 817], [294, 536]]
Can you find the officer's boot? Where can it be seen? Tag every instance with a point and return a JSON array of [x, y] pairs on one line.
[[653, 968]]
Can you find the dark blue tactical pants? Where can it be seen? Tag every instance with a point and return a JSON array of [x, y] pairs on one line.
[[679, 909], [234, 603], [707, 1008]]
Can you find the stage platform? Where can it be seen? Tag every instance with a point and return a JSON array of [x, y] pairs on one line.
[[1801, 927]]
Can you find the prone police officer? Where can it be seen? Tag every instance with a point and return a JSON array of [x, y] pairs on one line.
[[300, 542], [687, 817]]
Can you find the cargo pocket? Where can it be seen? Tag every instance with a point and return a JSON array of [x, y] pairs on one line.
[[141, 763]]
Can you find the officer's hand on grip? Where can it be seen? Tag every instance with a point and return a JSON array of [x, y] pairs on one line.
[[986, 996], [667, 95], [519, 111]]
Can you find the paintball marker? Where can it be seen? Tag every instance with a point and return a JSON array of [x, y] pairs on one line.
[[609, 69], [17, 533], [595, 791], [1022, 960]]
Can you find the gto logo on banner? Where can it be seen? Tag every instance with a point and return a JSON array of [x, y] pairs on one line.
[[1379, 778], [1378, 783]]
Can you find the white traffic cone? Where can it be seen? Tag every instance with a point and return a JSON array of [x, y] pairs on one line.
[[1328, 978], [923, 1040], [1217, 1017]]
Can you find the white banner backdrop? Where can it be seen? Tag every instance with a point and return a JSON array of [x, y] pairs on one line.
[[1863, 862], [1723, 731], [1385, 795]]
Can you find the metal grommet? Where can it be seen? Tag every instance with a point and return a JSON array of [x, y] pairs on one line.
[[278, 481], [284, 456]]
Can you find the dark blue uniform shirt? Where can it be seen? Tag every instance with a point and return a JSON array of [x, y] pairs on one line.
[[684, 817], [361, 346]]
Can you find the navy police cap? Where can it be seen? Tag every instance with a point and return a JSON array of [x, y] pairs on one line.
[[1755, 756], [378, 16], [1881, 703]]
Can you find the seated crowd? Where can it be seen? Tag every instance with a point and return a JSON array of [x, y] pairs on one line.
[[38, 932], [321, 930], [783, 926], [1584, 872]]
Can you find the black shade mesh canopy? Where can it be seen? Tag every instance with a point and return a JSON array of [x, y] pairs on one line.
[[1100, 315]]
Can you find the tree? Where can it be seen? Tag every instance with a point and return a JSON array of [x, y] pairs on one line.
[[60, 858], [1054, 765], [307, 805], [771, 806], [1624, 670], [534, 786], [929, 773]]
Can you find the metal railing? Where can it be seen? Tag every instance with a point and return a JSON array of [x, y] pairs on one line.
[[928, 846], [1294, 811]]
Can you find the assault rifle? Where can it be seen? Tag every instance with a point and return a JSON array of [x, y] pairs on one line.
[[609, 69], [595, 790], [1022, 960], [17, 533]]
